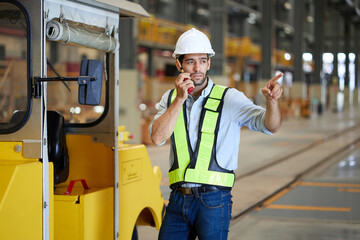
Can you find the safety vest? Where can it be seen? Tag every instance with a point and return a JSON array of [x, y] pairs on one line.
[[200, 165]]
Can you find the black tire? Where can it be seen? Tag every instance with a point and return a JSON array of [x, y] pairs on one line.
[[135, 234]]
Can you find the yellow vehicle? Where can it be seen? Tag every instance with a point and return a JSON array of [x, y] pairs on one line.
[[66, 171]]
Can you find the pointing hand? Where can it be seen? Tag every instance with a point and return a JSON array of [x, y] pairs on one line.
[[273, 91]]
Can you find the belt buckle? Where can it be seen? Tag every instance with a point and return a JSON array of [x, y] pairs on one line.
[[187, 191]]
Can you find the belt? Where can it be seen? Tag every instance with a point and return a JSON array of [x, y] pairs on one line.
[[202, 189]]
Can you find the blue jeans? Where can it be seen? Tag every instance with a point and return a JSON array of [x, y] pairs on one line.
[[206, 215]]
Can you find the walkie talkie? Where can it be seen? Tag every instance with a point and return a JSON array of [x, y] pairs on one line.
[[190, 89]]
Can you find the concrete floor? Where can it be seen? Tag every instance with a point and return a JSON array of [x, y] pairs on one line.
[[323, 205], [269, 163]]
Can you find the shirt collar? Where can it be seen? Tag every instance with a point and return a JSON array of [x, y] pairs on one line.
[[204, 92], [208, 88]]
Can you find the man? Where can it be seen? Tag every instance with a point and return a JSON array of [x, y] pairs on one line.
[[204, 125]]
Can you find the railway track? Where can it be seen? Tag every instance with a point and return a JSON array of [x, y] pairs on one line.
[[254, 187]]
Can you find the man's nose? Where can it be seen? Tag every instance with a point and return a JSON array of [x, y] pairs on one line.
[[196, 66]]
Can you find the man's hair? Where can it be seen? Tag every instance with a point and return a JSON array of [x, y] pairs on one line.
[[181, 58]]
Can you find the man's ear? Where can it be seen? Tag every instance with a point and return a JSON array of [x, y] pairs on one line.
[[209, 61]]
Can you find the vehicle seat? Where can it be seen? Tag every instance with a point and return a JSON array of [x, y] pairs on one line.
[[58, 152]]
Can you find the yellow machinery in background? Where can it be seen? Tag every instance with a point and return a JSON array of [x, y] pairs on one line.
[[66, 171]]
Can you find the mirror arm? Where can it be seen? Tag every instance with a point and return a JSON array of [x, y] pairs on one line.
[[82, 80]]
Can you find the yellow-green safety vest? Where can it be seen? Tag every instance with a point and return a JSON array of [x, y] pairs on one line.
[[200, 165]]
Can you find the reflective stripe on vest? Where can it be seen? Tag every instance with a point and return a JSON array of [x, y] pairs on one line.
[[182, 150]]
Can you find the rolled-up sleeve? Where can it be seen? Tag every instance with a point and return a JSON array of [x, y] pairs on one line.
[[161, 107]]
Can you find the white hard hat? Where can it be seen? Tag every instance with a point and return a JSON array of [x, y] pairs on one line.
[[193, 41]]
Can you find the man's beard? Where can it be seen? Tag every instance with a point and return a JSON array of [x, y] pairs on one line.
[[202, 81]]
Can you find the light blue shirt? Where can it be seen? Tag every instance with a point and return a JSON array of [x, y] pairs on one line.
[[238, 111]]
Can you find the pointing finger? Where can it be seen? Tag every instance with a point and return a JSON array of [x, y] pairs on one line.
[[274, 79]]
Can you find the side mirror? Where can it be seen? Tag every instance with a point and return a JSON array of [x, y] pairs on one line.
[[90, 89]]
